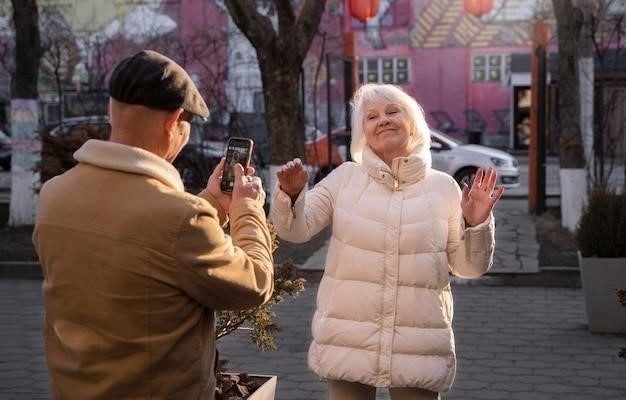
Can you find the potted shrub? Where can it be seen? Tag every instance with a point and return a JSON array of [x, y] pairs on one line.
[[262, 323], [601, 237]]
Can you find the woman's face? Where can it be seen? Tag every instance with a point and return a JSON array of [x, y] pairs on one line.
[[387, 130]]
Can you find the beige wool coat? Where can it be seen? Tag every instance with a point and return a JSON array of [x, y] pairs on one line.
[[384, 304], [134, 268]]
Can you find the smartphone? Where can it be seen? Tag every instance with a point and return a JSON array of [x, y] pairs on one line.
[[238, 150]]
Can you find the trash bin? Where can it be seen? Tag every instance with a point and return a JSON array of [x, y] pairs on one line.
[[475, 136]]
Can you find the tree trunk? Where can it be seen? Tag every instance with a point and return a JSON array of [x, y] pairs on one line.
[[25, 114], [284, 119], [570, 20], [280, 49], [569, 23]]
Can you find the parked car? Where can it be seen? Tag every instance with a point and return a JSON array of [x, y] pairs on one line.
[[316, 151], [5, 151], [463, 160], [449, 155], [195, 162]]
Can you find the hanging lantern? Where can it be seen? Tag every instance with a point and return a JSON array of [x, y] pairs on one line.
[[364, 10], [478, 8]]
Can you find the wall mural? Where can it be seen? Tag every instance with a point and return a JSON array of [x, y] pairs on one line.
[[444, 23], [26, 145], [26, 154], [372, 27]]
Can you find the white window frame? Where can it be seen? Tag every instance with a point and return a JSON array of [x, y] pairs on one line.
[[505, 67], [364, 71]]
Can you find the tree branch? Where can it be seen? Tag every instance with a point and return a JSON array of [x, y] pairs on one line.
[[306, 26], [286, 17], [256, 27]]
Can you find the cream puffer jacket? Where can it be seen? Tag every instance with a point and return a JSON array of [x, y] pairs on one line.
[[384, 304]]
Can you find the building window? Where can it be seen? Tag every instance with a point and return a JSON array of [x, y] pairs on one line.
[[491, 67], [384, 70]]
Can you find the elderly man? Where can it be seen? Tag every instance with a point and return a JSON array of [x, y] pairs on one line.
[[134, 266]]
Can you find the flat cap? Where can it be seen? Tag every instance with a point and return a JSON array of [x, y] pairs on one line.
[[150, 79]]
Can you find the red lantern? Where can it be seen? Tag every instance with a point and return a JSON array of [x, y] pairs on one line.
[[364, 10], [478, 8]]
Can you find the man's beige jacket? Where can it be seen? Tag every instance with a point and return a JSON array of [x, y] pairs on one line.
[[134, 268]]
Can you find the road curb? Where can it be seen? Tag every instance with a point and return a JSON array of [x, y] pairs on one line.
[[546, 277]]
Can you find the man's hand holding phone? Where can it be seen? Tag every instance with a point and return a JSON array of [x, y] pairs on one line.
[[245, 185]]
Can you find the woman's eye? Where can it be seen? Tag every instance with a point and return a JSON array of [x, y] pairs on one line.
[[371, 117], [392, 112]]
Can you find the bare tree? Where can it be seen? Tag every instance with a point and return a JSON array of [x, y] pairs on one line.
[[280, 53], [59, 54], [570, 20], [608, 36]]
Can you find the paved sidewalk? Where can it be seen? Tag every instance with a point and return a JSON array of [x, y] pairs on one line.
[[516, 245], [513, 343]]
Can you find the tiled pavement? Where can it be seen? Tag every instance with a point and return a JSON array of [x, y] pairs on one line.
[[513, 343]]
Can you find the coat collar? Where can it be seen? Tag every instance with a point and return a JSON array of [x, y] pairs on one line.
[[121, 157], [404, 171]]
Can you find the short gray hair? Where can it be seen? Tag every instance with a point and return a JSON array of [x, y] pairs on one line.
[[374, 92]]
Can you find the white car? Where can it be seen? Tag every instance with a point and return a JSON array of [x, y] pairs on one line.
[[462, 160]]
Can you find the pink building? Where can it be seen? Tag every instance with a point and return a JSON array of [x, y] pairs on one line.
[[456, 65]]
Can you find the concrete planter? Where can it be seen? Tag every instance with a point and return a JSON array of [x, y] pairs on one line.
[[266, 391], [601, 277]]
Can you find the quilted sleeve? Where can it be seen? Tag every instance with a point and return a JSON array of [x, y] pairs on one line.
[[312, 210], [469, 250]]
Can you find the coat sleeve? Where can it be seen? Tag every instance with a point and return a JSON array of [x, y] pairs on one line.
[[226, 272], [469, 250], [310, 213]]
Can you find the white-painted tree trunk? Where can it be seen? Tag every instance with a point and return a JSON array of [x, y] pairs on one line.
[[586, 80], [573, 196], [271, 180], [26, 154]]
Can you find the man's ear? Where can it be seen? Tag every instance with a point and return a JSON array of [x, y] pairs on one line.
[[171, 119]]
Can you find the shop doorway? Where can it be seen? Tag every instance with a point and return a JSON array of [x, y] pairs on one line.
[[521, 117]]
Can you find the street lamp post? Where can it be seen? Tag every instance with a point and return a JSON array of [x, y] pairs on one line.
[[537, 147]]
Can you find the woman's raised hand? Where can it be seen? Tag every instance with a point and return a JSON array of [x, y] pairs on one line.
[[292, 178], [478, 201]]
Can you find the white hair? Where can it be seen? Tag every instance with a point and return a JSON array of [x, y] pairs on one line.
[[374, 92]]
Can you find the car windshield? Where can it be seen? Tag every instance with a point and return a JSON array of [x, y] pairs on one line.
[[448, 138]]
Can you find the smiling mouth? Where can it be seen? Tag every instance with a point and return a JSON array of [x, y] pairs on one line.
[[389, 130]]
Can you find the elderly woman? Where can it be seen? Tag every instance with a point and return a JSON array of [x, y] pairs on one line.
[[384, 304]]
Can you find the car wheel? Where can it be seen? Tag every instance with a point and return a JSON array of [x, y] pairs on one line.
[[465, 176]]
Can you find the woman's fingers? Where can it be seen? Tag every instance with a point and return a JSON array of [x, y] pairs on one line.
[[497, 194], [491, 180], [478, 179]]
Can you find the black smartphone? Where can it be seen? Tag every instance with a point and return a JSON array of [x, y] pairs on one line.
[[238, 150]]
